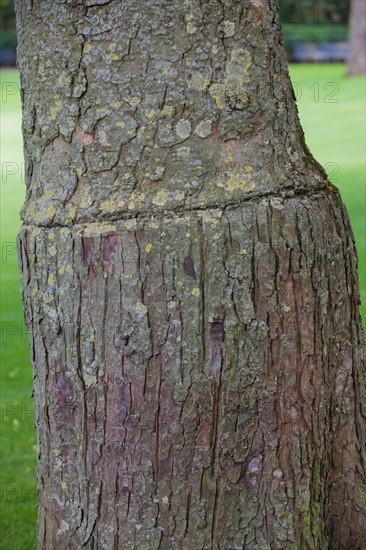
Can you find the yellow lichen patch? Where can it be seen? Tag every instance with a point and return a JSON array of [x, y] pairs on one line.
[[191, 28], [50, 212], [108, 206], [31, 209], [168, 110], [140, 308], [233, 89], [64, 485], [113, 56], [216, 91], [102, 138], [51, 279], [229, 28], [160, 198], [212, 217], [235, 181], [52, 250], [89, 380], [153, 225], [204, 128], [134, 101], [150, 114], [179, 196], [240, 60], [96, 229], [130, 224], [196, 292], [71, 213], [86, 201], [55, 110], [40, 67], [87, 48], [51, 236], [63, 80], [101, 112], [48, 194], [148, 247], [136, 200], [56, 452], [198, 82]]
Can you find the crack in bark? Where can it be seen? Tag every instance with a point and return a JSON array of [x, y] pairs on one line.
[[311, 193]]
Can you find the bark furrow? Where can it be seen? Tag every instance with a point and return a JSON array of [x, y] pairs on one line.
[[213, 393]]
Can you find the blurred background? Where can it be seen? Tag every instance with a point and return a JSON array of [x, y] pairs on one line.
[[325, 42]]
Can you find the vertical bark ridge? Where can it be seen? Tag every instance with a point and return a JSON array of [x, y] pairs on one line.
[[257, 443]]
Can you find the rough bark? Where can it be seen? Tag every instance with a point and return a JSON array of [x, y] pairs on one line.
[[357, 58], [189, 284]]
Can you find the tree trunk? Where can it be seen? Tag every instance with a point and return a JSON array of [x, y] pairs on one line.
[[189, 284], [357, 57]]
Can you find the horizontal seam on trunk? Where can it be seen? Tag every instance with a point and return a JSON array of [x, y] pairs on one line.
[[292, 194]]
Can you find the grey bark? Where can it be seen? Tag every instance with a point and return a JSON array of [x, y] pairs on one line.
[[189, 284], [357, 38]]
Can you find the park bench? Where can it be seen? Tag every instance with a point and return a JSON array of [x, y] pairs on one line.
[[325, 52]]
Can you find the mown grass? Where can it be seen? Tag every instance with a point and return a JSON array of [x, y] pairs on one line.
[[18, 511], [335, 132]]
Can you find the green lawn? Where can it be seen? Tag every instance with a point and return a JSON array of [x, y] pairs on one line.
[[18, 513], [335, 133]]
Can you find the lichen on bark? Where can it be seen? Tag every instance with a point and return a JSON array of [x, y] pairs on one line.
[[189, 284]]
